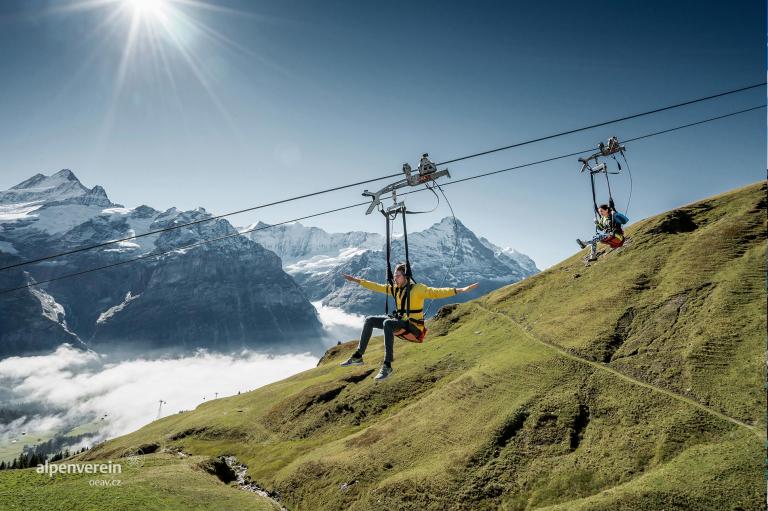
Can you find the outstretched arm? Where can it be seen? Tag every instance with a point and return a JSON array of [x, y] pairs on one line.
[[373, 286], [467, 288], [444, 292]]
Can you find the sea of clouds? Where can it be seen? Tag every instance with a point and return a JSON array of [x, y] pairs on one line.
[[71, 387]]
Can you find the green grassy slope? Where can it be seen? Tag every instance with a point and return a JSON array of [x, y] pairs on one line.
[[683, 305], [634, 383], [163, 483]]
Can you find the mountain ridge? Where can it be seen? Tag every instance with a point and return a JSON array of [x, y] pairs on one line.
[[318, 260], [227, 295]]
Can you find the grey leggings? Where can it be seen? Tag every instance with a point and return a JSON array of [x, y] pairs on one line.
[[597, 238], [390, 326]]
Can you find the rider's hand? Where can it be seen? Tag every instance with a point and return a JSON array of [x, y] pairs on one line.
[[351, 278], [468, 288]]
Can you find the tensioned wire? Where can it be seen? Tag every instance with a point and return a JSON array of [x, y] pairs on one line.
[[350, 206], [372, 180]]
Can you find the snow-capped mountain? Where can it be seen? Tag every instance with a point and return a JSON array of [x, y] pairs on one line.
[[296, 243], [63, 187], [310, 250], [511, 257], [50, 205], [231, 293], [317, 259]]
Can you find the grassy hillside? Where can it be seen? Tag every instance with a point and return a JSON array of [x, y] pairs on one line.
[[634, 383], [163, 482]]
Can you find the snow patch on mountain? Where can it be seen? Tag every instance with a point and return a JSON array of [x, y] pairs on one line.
[[60, 219], [8, 248], [139, 221], [117, 211], [107, 314], [297, 244], [322, 264], [51, 309], [12, 212]]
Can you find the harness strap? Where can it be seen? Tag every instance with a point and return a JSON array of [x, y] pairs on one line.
[[608, 182], [594, 199], [390, 276], [403, 306], [407, 265]]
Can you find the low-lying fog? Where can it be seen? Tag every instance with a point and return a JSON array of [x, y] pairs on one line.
[[53, 393]]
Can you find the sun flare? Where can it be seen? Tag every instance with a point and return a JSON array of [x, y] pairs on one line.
[[163, 42], [147, 8]]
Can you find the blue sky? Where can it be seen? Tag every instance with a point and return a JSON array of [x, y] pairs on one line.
[[287, 97]]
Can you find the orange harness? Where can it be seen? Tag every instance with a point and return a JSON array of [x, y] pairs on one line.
[[615, 240], [408, 336]]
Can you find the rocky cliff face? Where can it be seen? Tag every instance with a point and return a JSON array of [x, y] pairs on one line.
[[228, 294], [232, 293], [30, 322]]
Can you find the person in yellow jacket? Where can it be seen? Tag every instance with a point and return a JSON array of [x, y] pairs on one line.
[[410, 320]]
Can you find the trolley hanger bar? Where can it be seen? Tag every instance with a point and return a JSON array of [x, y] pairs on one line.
[[427, 172], [612, 147]]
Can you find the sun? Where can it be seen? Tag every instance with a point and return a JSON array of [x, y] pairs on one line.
[[153, 41], [147, 8]]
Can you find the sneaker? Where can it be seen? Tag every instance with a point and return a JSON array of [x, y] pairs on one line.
[[384, 372], [581, 243], [353, 361]]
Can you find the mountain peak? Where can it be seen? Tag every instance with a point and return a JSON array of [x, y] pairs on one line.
[[66, 174], [40, 182], [96, 196], [445, 229], [447, 223], [58, 187]]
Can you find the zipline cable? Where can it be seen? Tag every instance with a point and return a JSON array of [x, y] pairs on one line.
[[342, 187], [486, 174], [195, 222], [653, 134], [604, 123], [177, 249]]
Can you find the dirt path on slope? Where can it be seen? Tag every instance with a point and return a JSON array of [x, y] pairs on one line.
[[757, 432]]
